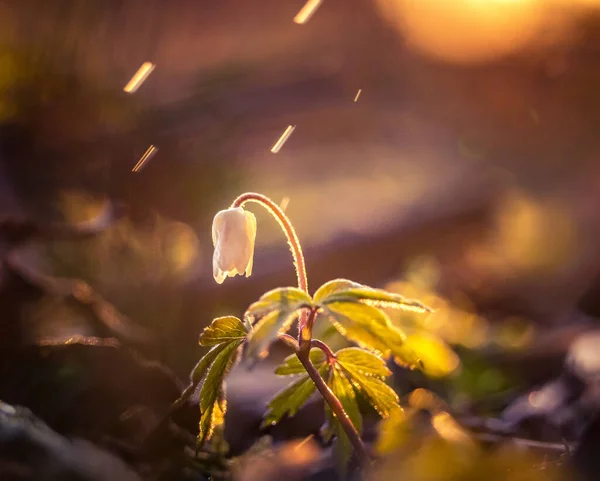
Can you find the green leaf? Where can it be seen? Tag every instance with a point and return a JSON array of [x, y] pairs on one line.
[[375, 297], [203, 364], [364, 361], [198, 373], [366, 325], [221, 333], [212, 395], [223, 329], [290, 399], [282, 298], [212, 421], [331, 287], [382, 397], [276, 309], [267, 330], [292, 365], [370, 328], [343, 390]]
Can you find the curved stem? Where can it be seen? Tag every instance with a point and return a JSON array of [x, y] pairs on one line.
[[286, 226], [316, 343], [305, 324]]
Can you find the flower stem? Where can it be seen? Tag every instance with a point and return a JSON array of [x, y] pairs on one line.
[[306, 321], [286, 226]]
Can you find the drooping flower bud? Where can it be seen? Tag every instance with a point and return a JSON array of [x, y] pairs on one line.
[[234, 234]]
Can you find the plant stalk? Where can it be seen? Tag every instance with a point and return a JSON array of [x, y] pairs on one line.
[[337, 409], [306, 322]]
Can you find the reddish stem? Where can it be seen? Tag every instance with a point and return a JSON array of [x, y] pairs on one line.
[[324, 347]]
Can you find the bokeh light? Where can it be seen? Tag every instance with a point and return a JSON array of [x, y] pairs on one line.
[[465, 30]]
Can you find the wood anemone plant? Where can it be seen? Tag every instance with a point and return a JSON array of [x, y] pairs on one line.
[[353, 309]]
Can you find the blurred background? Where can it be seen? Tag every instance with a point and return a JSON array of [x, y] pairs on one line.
[[445, 150]]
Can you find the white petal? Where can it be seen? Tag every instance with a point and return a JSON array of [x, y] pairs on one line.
[[233, 233], [249, 266], [216, 227], [251, 237], [217, 272], [220, 277]]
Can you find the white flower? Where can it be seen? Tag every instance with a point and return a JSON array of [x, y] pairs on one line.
[[233, 233]]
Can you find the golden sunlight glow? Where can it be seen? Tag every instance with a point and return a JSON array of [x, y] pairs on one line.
[[465, 30], [585, 3], [283, 139], [181, 246], [438, 359], [307, 11], [456, 322], [531, 235], [302, 452], [139, 77], [535, 233], [447, 427], [425, 400], [77, 207]]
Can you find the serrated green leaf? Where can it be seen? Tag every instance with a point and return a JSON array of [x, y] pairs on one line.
[[292, 365], [382, 397], [367, 362], [214, 420], [198, 373], [375, 297], [203, 364], [212, 395], [366, 325], [291, 294], [392, 432], [331, 287], [290, 399], [223, 329], [282, 298], [278, 309], [371, 328], [267, 330], [344, 391]]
